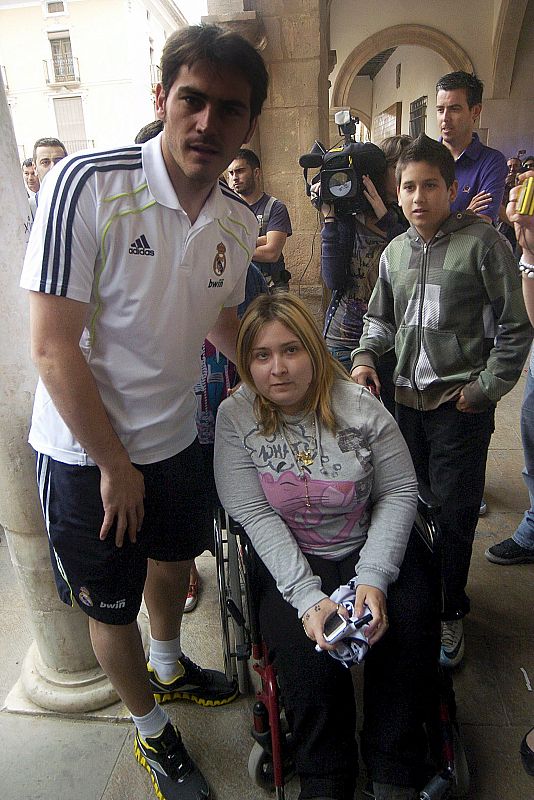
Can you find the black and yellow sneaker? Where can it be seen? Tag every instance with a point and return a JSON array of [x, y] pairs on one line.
[[173, 772], [206, 687]]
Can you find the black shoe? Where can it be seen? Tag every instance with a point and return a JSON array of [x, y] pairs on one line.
[[173, 772], [206, 687], [509, 552]]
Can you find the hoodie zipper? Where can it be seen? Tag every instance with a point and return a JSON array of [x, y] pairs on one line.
[[422, 276]]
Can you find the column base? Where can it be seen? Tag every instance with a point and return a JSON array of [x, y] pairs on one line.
[[65, 693]]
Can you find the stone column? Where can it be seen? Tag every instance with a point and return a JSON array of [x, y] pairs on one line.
[[60, 672], [295, 39]]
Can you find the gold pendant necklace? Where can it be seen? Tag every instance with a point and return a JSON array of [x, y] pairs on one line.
[[303, 458]]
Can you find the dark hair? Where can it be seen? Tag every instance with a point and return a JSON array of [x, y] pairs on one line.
[[28, 162], [462, 80], [527, 159], [148, 131], [393, 146], [249, 156], [48, 142], [220, 48], [432, 152]]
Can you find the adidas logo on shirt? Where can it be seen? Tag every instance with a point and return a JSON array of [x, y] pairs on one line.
[[141, 247]]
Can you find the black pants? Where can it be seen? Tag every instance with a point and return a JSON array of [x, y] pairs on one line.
[[449, 450], [400, 685]]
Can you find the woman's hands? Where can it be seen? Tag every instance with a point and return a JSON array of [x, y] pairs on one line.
[[315, 617], [375, 599], [372, 196]]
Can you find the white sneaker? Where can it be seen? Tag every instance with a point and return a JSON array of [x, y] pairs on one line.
[[452, 643]]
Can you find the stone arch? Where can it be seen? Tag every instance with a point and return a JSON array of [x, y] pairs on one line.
[[419, 35], [505, 41]]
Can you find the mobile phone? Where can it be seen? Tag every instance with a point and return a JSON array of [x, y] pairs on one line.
[[525, 202], [334, 626]]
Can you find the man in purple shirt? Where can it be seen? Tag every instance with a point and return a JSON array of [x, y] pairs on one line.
[[480, 170]]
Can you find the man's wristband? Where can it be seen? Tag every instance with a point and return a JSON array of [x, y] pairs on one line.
[[526, 269]]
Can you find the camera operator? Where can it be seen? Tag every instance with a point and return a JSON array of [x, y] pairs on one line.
[[351, 246]]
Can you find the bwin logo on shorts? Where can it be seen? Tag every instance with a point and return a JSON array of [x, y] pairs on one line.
[[116, 604]]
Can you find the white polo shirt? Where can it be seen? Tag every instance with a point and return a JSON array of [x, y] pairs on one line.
[[110, 232]]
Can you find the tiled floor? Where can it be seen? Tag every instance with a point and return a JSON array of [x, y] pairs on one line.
[[50, 758]]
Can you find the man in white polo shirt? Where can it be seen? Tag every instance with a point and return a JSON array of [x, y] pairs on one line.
[[137, 255]]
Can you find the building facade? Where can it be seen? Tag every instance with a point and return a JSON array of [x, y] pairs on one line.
[[83, 71]]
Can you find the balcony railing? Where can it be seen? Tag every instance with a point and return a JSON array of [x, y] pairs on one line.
[[73, 145], [3, 75], [155, 75], [62, 69]]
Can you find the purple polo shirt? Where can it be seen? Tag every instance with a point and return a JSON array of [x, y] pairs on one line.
[[480, 169]]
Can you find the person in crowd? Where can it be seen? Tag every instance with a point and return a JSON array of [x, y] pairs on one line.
[[519, 548], [480, 170], [455, 360], [47, 152], [316, 471], [244, 175], [528, 163], [29, 174], [351, 245], [149, 257], [31, 181]]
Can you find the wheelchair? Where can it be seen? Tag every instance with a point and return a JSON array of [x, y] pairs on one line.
[[270, 763]]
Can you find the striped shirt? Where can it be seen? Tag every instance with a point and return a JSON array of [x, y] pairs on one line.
[[110, 232]]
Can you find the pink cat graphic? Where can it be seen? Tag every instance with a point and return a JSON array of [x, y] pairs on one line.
[[287, 494]]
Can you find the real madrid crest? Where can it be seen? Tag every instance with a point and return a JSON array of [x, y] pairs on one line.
[[219, 262]]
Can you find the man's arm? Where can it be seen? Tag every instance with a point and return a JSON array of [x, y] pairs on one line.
[[269, 247], [56, 325], [492, 180], [223, 335]]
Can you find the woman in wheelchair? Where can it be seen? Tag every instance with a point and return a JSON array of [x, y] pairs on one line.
[[316, 471]]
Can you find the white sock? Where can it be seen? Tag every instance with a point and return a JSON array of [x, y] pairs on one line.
[[164, 657], [151, 724]]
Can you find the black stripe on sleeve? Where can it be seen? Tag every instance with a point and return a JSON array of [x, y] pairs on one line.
[[69, 173]]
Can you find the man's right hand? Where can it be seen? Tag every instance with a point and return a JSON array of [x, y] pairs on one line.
[[366, 376], [123, 490]]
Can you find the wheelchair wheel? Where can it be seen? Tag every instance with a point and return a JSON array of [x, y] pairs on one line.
[[232, 602], [260, 767]]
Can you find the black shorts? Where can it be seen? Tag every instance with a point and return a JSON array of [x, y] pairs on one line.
[[105, 580]]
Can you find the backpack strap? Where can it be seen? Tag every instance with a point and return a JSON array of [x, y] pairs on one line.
[[263, 219]]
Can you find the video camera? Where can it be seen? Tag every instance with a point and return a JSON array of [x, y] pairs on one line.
[[342, 168]]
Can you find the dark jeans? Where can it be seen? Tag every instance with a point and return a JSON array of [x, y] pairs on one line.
[[399, 686], [449, 450]]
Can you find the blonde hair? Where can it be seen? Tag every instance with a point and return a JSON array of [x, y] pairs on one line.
[[288, 310]]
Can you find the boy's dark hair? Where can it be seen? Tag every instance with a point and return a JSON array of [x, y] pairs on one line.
[[462, 80], [148, 131], [48, 141], [219, 48], [28, 162], [249, 156], [432, 152]]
